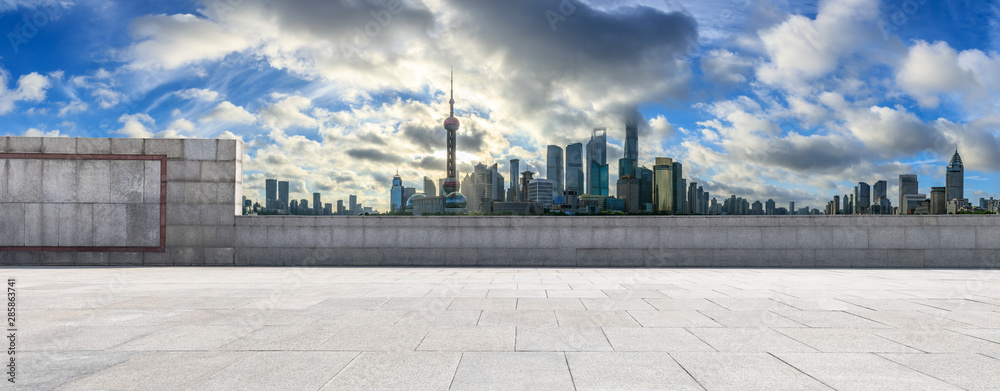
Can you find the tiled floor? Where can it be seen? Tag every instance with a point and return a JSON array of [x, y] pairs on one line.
[[506, 329]]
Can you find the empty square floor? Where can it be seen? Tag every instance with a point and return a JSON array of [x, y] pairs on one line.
[[505, 329]]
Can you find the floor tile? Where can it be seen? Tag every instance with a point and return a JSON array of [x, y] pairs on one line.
[[862, 372], [503, 371], [628, 371], [646, 339], [561, 339], [397, 371], [744, 371]]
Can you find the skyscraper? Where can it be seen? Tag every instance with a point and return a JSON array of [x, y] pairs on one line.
[[880, 190], [645, 188], [663, 185], [282, 195], [597, 162], [679, 181], [317, 205], [907, 185], [554, 169], [430, 189], [691, 207], [955, 179], [628, 189], [395, 195], [574, 168], [353, 204], [862, 197], [632, 138], [540, 191], [270, 193], [514, 173]]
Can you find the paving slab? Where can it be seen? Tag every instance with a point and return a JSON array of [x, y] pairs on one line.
[[673, 319], [974, 372], [503, 371], [862, 372], [744, 372], [278, 371], [49, 370], [371, 338], [749, 340], [282, 338], [160, 371], [628, 371], [397, 371], [475, 338], [844, 340], [647, 339], [561, 339]]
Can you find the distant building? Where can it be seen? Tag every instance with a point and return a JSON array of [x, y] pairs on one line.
[[646, 189], [955, 179], [592, 203], [340, 207], [628, 190], [958, 205], [597, 163], [663, 185], [554, 169], [757, 208], [678, 188], [484, 187], [574, 169], [791, 208], [769, 207], [270, 193], [939, 205], [862, 197], [691, 207], [526, 178], [910, 203], [355, 209], [540, 191], [317, 205], [430, 189], [407, 193], [396, 194], [632, 138], [514, 176], [282, 195], [907, 185], [614, 204]]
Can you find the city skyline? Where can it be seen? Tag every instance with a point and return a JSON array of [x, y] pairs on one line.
[[792, 100]]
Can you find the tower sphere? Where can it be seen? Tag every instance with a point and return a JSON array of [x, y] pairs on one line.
[[450, 185], [451, 124]]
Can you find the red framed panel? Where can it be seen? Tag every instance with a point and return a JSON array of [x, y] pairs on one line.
[[163, 202]]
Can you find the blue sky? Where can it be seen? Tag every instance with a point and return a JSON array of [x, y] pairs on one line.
[[784, 99]]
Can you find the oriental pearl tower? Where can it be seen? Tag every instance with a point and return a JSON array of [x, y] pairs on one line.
[[451, 125]]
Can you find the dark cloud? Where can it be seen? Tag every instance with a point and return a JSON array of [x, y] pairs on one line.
[[427, 139], [433, 163], [373, 155], [470, 139]]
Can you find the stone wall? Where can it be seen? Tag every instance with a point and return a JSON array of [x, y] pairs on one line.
[[621, 241], [105, 201]]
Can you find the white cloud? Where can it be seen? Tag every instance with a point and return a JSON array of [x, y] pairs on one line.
[[724, 67], [171, 41], [228, 112], [201, 94], [32, 132], [74, 107], [288, 112], [135, 125], [30, 88], [932, 70], [107, 98], [802, 49]]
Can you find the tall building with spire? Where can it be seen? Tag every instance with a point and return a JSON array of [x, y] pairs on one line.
[[597, 163], [396, 194], [632, 137], [454, 202], [955, 179]]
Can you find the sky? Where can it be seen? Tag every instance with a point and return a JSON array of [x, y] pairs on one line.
[[791, 100]]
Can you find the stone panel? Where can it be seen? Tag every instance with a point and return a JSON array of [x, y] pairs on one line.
[[59, 180], [151, 182], [127, 146], [143, 225], [58, 258], [93, 259], [958, 237], [4, 140], [77, 228], [93, 146], [173, 149], [32, 224], [200, 193], [200, 149], [183, 170], [226, 150], [58, 145], [109, 225], [125, 259], [887, 237], [219, 256], [218, 172], [11, 224], [94, 181], [24, 145], [4, 175], [127, 181], [50, 225], [988, 238], [923, 237], [22, 183]]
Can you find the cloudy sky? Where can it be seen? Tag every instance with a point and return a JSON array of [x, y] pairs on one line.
[[793, 100]]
